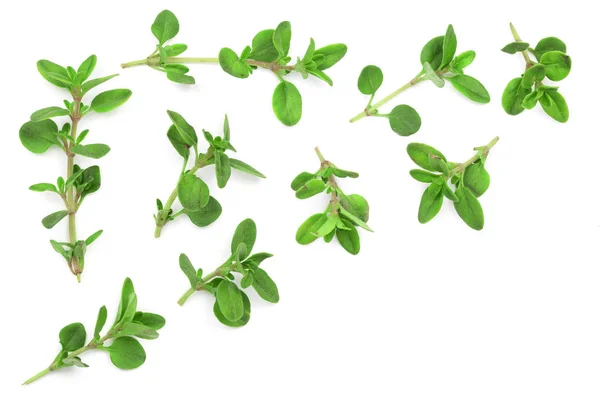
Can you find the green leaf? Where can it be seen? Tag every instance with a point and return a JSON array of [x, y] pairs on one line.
[[370, 79], [206, 215], [255, 260], [242, 166], [240, 322], [558, 65], [91, 150], [263, 48], [423, 176], [231, 63], [476, 178], [354, 219], [50, 220], [43, 187], [342, 173], [471, 88], [186, 131], [433, 52], [432, 76], [188, 269], [222, 168], [468, 208], [549, 44], [174, 50], [92, 238], [150, 320], [449, 46], [305, 235], [230, 300], [193, 192], [92, 180], [126, 353], [264, 286], [431, 203], [282, 37], [109, 100], [349, 238], [100, 322], [89, 85], [178, 143], [536, 72], [39, 136], [404, 120], [311, 188], [513, 96], [138, 330], [321, 75], [555, 105], [448, 193], [419, 153], [226, 129], [126, 292], [356, 205], [464, 59], [244, 233], [49, 112], [515, 47], [54, 73], [439, 165], [247, 279], [287, 103], [178, 77], [72, 337], [332, 54], [301, 180], [86, 68], [165, 26]]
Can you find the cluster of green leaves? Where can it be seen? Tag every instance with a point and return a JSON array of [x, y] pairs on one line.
[[41, 133], [470, 180], [193, 193], [439, 64], [125, 350], [232, 305], [269, 50], [343, 212], [525, 92]]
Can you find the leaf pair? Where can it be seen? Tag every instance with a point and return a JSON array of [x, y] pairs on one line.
[[525, 92], [470, 181], [232, 306], [439, 64]]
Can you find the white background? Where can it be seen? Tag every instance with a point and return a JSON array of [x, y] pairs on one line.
[[434, 311]]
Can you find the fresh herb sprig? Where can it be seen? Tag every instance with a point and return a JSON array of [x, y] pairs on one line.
[[124, 350], [343, 213], [470, 180], [232, 305], [525, 92], [193, 193], [41, 133], [269, 51], [439, 65]]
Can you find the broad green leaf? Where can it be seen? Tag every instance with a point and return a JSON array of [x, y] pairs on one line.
[[468, 208], [549, 44], [207, 214], [174, 49], [240, 322], [370, 79], [558, 65], [536, 72], [255, 260], [419, 153], [222, 168], [264, 286], [356, 205], [476, 178], [86, 68], [126, 353], [178, 77], [165, 26], [464, 59], [98, 150], [43, 187], [100, 322], [530, 101], [433, 52], [138, 330], [423, 176], [471, 88], [282, 37], [230, 300], [263, 48], [50, 220], [310, 188], [188, 269], [287, 103], [38, 137], [305, 233], [513, 96], [231, 63], [432, 76], [150, 320], [431, 203], [244, 233], [349, 238], [89, 85], [326, 228], [404, 120], [126, 293], [301, 180], [242, 166], [54, 73], [49, 112], [449, 46], [178, 143], [193, 192], [332, 54], [515, 47], [109, 100], [555, 105], [187, 132], [72, 337], [92, 238], [247, 279]]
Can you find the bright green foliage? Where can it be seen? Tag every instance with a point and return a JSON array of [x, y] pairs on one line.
[[125, 351], [343, 213], [41, 133], [269, 50], [525, 92], [439, 64], [470, 180], [232, 305], [193, 193]]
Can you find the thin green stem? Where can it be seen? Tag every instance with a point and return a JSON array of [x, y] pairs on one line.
[[321, 158], [222, 270], [154, 61], [75, 117], [485, 151], [518, 39]]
